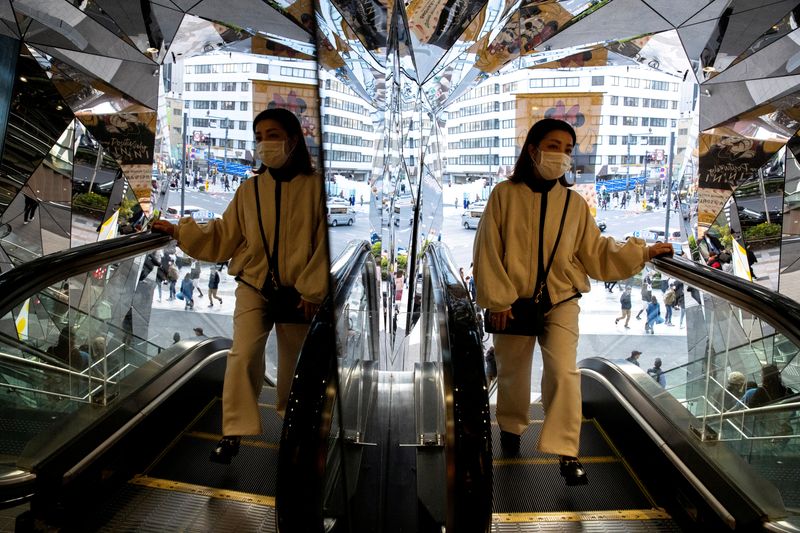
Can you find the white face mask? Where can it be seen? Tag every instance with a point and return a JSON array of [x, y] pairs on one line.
[[272, 153], [552, 165]]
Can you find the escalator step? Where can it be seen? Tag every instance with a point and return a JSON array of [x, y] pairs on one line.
[[139, 508], [268, 395], [271, 423], [539, 488], [253, 471], [570, 523], [592, 442]]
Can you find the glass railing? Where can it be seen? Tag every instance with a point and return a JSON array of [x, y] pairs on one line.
[[74, 333], [739, 377]]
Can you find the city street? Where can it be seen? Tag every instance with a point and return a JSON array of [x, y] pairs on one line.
[[599, 335]]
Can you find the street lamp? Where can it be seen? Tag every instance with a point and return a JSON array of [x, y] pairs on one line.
[[631, 139], [225, 156]]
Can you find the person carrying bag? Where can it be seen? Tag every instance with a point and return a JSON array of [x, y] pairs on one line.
[[509, 269]]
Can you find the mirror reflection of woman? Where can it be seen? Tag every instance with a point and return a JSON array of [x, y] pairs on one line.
[[506, 264], [292, 200]]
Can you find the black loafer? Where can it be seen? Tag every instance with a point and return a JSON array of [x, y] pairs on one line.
[[226, 449], [509, 442], [572, 471]]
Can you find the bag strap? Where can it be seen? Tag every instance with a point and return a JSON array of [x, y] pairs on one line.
[[543, 277], [273, 272]]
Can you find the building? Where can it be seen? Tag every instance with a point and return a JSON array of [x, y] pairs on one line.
[[628, 113]]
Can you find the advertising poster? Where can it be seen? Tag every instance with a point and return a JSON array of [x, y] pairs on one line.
[[726, 161], [302, 100], [129, 138], [580, 110]]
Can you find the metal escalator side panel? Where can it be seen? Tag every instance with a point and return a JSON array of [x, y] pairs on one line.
[[468, 422]]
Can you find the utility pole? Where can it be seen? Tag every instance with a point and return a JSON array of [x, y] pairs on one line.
[[183, 166], [628, 173], [669, 183]]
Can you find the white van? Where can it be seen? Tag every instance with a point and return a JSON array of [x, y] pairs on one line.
[[471, 217], [341, 214], [657, 234]]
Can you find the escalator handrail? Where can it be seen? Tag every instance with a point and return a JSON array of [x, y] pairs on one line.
[[468, 433], [778, 310], [21, 282]]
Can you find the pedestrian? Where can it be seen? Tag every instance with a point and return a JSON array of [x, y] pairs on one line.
[[646, 293], [713, 261], [609, 285], [670, 299], [733, 391], [634, 357], [187, 290], [195, 274], [213, 285], [172, 275], [274, 232], [653, 315], [657, 374], [31, 203], [528, 209], [161, 274], [625, 307], [176, 337], [198, 332]]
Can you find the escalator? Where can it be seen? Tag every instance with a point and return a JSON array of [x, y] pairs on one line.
[[121, 441], [671, 459]]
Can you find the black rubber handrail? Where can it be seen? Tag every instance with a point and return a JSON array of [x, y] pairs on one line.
[[778, 310], [468, 436], [29, 278]]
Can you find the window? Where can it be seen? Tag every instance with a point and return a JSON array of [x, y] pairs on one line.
[[612, 139], [615, 100], [228, 85], [245, 85], [262, 68], [597, 119], [242, 145], [630, 101], [645, 121], [614, 80], [227, 105], [658, 122], [598, 139], [632, 82], [593, 160], [188, 69], [597, 80], [630, 121], [200, 123], [612, 160], [683, 131], [507, 124], [299, 72], [507, 142], [507, 106], [187, 86], [245, 67], [205, 69], [674, 104], [673, 123], [657, 141], [229, 67], [243, 125], [243, 106], [613, 120], [510, 87], [659, 85]]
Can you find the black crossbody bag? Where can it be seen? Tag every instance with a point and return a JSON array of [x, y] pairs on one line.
[[282, 301], [529, 312]]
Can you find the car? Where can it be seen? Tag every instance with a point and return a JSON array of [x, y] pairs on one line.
[[471, 218], [374, 237], [749, 218], [200, 215], [340, 214]]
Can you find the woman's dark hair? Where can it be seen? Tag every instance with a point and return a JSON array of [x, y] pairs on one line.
[[299, 160], [524, 166]]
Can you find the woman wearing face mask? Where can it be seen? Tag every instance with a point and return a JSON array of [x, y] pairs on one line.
[[507, 268], [274, 233]]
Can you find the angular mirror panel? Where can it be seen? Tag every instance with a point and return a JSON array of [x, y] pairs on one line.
[[37, 118], [106, 13], [70, 29], [254, 16], [9, 51], [24, 241], [726, 101], [135, 22], [790, 251], [787, 25], [780, 58]]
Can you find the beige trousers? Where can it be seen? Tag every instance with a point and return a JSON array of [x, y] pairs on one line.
[[561, 381], [244, 373]]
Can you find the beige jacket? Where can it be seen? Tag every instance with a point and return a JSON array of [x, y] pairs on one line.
[[302, 247], [505, 253]]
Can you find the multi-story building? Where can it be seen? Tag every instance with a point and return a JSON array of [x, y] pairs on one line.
[[628, 113], [223, 92]]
